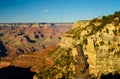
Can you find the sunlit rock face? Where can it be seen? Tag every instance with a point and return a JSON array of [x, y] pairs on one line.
[[100, 42], [81, 24]]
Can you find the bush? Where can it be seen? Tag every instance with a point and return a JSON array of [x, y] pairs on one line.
[[101, 43], [85, 41]]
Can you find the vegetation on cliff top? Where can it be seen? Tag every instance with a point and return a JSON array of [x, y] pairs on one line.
[[100, 40]]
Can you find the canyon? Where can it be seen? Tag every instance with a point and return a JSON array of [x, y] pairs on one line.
[[49, 50], [28, 38], [100, 41]]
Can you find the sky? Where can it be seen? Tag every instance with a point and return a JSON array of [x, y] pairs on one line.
[[51, 11]]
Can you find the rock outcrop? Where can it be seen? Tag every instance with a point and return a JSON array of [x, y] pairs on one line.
[[100, 41]]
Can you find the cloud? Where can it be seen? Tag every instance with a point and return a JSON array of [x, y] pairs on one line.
[[45, 11]]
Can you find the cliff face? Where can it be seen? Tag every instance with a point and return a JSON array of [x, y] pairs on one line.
[[102, 47], [100, 41]]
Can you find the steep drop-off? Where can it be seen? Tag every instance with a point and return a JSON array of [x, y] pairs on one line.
[[100, 39]]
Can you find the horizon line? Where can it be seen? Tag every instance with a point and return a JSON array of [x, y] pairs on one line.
[[38, 22]]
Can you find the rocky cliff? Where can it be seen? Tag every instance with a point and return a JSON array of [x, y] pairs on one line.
[[100, 42]]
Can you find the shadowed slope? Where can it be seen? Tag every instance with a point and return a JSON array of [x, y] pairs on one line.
[[110, 76], [2, 49], [12, 72]]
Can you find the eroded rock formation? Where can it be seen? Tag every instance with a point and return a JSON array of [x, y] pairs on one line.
[[19, 38], [100, 41]]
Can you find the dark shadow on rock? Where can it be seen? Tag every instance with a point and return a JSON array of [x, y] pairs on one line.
[[20, 51], [52, 24], [21, 33], [29, 40], [1, 35], [12, 72], [36, 36], [110, 76], [42, 35], [3, 49], [63, 77]]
